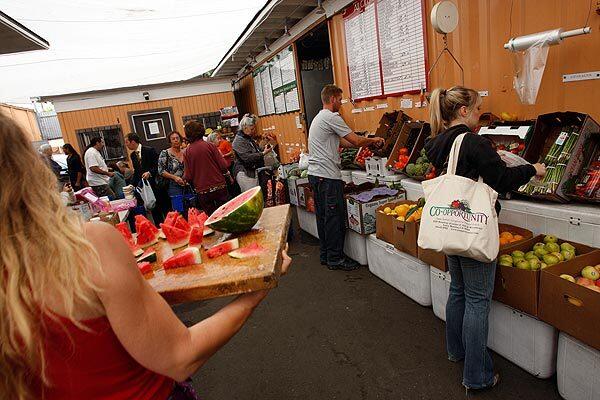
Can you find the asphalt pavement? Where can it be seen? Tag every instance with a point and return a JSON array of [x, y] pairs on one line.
[[342, 335]]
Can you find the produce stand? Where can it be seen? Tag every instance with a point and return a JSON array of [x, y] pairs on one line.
[[226, 276]]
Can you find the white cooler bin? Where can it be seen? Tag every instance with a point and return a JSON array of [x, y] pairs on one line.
[[413, 189], [307, 221], [355, 246], [440, 288], [526, 341], [406, 273], [577, 369], [347, 175]]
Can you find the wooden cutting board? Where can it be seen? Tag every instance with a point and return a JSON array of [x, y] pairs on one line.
[[224, 275]]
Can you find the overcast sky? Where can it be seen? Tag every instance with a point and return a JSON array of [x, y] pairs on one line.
[[99, 44]]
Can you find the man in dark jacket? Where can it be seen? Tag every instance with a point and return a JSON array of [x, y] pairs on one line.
[[144, 160]]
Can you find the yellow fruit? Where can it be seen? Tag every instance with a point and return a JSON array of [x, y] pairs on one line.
[[400, 218], [387, 210]]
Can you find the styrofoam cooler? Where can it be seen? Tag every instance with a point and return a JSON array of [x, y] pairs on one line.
[[406, 273], [360, 177], [307, 221], [347, 175], [522, 339], [355, 246], [577, 222], [577, 369], [413, 188], [440, 289]]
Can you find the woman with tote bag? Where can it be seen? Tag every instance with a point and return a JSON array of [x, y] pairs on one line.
[[454, 114]]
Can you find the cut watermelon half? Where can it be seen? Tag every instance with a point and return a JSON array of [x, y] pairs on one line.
[[176, 237], [196, 236], [223, 248], [182, 224], [123, 227], [189, 256], [252, 250], [238, 215], [149, 255], [147, 234], [141, 220], [171, 218], [144, 267], [196, 218]]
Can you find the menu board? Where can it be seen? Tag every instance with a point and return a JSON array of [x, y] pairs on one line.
[[396, 37], [275, 85], [362, 49]]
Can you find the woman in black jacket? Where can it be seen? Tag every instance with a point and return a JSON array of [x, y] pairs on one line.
[[453, 112], [75, 167]]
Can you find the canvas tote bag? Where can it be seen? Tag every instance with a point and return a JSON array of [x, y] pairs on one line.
[[459, 217]]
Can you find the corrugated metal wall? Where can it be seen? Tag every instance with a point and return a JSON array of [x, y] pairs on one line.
[[117, 115], [24, 117], [478, 44]]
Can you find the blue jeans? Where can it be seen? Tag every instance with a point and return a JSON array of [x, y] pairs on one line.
[[175, 189], [467, 314]]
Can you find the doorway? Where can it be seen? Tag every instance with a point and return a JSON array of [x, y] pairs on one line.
[[314, 58], [152, 126]]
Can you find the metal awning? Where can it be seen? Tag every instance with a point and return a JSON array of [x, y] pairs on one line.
[[16, 38], [267, 26]]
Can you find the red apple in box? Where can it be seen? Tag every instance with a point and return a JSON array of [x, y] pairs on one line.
[[584, 282]]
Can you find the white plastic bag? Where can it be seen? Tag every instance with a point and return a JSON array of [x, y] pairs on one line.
[[529, 67], [303, 163], [147, 195], [459, 217]]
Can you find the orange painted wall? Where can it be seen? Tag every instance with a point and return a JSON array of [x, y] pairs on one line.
[[288, 136], [117, 115], [478, 44], [24, 117]]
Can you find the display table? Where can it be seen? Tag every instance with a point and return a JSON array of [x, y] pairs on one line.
[[575, 222]]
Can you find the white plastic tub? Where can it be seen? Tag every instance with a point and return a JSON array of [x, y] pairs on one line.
[[440, 288], [307, 221], [355, 246], [577, 369], [413, 189], [407, 274], [526, 341], [360, 177]]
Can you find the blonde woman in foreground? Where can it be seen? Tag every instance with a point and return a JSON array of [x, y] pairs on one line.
[[78, 319]]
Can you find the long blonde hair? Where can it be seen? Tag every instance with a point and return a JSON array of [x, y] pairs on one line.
[[445, 104], [43, 251]]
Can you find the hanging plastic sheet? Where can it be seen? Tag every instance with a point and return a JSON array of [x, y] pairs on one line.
[[529, 66]]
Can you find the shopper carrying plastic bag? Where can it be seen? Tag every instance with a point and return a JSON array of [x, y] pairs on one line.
[[147, 194], [473, 164]]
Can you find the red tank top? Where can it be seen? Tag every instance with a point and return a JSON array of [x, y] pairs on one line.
[[95, 366]]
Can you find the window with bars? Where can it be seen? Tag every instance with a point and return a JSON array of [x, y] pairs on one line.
[[113, 140], [209, 120]]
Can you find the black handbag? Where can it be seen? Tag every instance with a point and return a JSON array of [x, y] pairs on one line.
[[163, 183]]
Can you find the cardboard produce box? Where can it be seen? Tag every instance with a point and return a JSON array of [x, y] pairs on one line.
[[362, 214], [385, 223], [283, 170], [526, 233], [389, 128], [435, 259], [309, 199], [293, 189], [412, 137], [550, 129], [570, 307], [405, 237], [519, 288]]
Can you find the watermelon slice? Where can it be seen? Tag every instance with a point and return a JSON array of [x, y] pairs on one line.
[[196, 236], [208, 231], [223, 248], [149, 255], [238, 215], [123, 227], [189, 256], [171, 218], [182, 224], [196, 218], [141, 220], [147, 234], [176, 237], [252, 250], [144, 267]]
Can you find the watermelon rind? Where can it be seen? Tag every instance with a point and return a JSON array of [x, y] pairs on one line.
[[208, 231], [161, 235], [149, 255], [144, 267], [242, 217], [253, 250], [187, 257], [171, 231], [223, 248]]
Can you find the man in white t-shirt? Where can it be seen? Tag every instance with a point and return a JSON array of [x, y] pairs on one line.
[[327, 133], [97, 173]]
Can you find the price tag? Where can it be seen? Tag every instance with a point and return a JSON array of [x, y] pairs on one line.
[[383, 105], [406, 103], [357, 110], [560, 140], [369, 109]]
